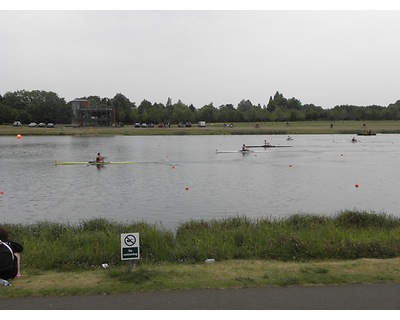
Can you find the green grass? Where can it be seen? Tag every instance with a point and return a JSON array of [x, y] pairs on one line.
[[264, 128], [348, 235], [301, 249], [186, 276]]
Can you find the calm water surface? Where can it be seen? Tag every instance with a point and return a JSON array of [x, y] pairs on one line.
[[178, 178]]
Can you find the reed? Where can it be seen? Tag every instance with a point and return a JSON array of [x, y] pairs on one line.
[[301, 237]]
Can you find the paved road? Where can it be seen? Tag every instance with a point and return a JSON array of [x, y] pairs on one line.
[[340, 297]]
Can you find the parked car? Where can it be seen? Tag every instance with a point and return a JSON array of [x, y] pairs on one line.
[[144, 125], [137, 125], [41, 125], [17, 123], [32, 124], [50, 125], [180, 125], [188, 124]]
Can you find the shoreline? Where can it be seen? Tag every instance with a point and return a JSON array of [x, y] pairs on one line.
[[270, 128], [61, 259]]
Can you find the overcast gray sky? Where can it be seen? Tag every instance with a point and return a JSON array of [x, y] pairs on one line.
[[324, 57]]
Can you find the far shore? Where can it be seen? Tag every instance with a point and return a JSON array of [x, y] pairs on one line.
[[241, 128]]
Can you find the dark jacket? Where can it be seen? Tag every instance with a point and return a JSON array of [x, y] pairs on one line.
[[8, 261]]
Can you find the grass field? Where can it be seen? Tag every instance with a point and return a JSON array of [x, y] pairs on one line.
[[221, 274], [304, 127]]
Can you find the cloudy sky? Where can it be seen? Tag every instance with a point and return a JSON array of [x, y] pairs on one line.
[[324, 57]]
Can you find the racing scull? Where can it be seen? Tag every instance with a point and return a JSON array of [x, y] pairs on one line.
[[65, 163]]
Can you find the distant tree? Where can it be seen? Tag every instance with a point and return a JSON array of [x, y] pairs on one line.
[[280, 114], [312, 112], [157, 114], [18, 106], [144, 105], [181, 112], [6, 114], [228, 113], [94, 101], [169, 108], [124, 109], [192, 108], [36, 105], [154, 115], [277, 101], [393, 111], [246, 111], [208, 113], [43, 106], [293, 103], [194, 114]]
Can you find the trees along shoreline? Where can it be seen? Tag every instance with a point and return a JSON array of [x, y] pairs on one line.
[[43, 106]]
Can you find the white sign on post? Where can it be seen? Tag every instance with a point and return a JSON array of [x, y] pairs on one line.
[[130, 246]]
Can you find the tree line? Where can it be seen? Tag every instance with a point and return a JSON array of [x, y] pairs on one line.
[[44, 106]]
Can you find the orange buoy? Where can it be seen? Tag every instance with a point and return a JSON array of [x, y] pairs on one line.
[[19, 136]]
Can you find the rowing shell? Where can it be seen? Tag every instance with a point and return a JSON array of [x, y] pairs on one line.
[[267, 146], [234, 151], [67, 163]]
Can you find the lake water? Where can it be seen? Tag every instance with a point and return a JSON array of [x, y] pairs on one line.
[[178, 178]]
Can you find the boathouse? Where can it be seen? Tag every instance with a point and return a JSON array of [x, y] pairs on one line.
[[86, 115]]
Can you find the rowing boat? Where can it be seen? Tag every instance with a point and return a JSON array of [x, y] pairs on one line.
[[267, 146], [234, 151], [66, 163]]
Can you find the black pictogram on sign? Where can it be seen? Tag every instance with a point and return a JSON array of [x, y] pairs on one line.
[[130, 240]]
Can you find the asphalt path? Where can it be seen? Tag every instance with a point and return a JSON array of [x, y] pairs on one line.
[[382, 296]]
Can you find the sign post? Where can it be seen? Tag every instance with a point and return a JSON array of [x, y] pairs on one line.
[[130, 247]]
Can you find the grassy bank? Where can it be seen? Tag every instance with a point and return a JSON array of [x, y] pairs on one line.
[[221, 274], [302, 249], [264, 128]]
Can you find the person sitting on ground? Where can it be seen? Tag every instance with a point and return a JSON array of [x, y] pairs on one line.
[[10, 258]]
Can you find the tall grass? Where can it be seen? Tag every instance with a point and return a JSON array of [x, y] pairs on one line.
[[301, 237]]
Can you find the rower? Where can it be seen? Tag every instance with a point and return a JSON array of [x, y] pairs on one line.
[[244, 148], [100, 158]]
